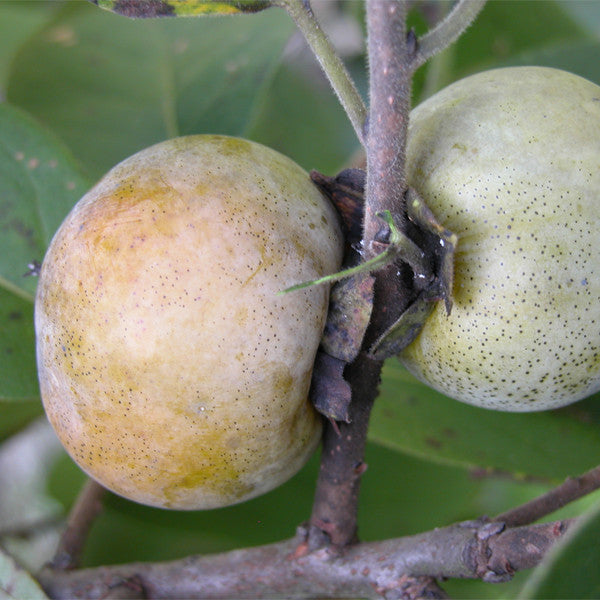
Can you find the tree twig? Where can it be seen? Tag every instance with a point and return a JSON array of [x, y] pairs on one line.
[[572, 489], [447, 31], [336, 497], [87, 507], [367, 570], [390, 54], [330, 62]]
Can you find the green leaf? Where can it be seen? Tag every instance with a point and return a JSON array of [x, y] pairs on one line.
[[16, 583], [415, 419], [18, 21], [39, 183], [585, 14], [18, 374], [16, 415], [507, 29], [302, 118], [181, 8], [579, 57], [502, 32], [111, 86], [570, 570]]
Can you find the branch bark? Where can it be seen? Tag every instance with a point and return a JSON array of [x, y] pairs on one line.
[[368, 570], [391, 51]]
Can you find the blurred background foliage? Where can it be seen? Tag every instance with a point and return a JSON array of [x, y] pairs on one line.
[[81, 89]]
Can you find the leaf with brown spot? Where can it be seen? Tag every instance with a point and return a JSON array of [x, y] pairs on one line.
[[40, 183], [408, 415], [180, 8]]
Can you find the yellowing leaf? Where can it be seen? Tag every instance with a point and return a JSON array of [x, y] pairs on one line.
[[180, 8]]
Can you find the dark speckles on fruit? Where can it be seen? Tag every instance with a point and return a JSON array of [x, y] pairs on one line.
[[524, 332], [170, 367]]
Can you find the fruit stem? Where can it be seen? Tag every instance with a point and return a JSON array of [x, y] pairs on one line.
[[332, 65]]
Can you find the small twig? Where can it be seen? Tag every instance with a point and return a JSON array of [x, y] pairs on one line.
[[447, 31], [336, 498], [81, 518], [572, 489], [330, 62], [284, 570]]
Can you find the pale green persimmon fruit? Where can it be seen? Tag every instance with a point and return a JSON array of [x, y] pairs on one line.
[[172, 371], [509, 160]]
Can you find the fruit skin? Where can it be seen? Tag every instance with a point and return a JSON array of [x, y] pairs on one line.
[[509, 159], [169, 367]]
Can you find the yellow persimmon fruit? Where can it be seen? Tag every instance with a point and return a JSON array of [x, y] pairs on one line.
[[172, 371]]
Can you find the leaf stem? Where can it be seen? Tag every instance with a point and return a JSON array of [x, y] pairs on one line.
[[330, 62], [399, 246], [447, 31]]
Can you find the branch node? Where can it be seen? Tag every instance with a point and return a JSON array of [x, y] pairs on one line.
[[489, 530]]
